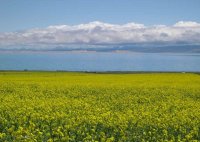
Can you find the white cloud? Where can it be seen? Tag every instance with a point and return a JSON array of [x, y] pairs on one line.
[[187, 24], [102, 34]]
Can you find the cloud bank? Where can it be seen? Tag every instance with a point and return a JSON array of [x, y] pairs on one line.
[[97, 35]]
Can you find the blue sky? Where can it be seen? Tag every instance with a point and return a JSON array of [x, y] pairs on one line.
[[25, 14]]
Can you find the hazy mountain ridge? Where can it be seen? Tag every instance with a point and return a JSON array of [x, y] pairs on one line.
[[128, 48]]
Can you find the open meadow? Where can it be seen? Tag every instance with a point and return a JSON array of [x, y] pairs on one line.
[[67, 106]]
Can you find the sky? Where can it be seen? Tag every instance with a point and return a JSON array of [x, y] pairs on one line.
[[92, 23]]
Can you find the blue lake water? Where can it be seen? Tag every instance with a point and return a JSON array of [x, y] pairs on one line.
[[87, 61]]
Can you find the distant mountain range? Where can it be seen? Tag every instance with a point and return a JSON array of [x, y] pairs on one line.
[[158, 49], [137, 48], [118, 48]]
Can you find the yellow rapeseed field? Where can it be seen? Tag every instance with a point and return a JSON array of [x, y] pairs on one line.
[[58, 106]]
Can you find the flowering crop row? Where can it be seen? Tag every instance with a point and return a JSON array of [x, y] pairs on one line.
[[50, 106]]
